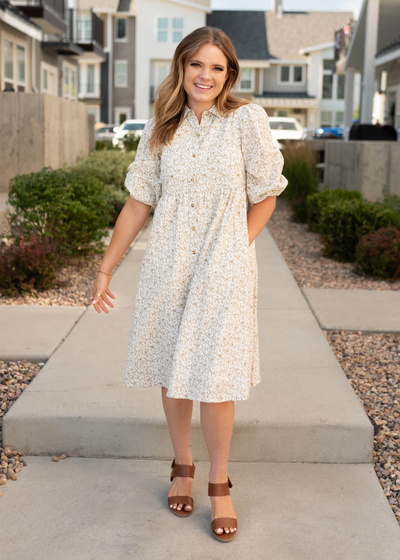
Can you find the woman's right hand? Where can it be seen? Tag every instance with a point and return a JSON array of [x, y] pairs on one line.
[[101, 286]]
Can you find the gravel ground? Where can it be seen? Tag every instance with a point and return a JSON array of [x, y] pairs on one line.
[[371, 362], [302, 251]]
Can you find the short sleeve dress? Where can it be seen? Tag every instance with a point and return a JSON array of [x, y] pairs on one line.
[[194, 326]]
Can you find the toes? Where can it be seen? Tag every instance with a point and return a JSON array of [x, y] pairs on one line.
[[188, 507], [219, 530], [179, 507]]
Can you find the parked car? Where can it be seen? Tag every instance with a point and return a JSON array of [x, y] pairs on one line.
[[329, 132], [285, 129], [130, 125], [105, 132]]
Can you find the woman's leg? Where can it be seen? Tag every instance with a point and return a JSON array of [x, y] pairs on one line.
[[179, 415], [217, 425]]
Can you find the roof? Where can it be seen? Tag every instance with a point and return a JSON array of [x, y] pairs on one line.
[[296, 30], [263, 35], [392, 46], [246, 31]]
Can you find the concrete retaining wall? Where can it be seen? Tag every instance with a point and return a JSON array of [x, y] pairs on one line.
[[39, 130], [363, 166]]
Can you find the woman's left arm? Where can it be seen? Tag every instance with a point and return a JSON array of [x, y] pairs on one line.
[[263, 166], [258, 216]]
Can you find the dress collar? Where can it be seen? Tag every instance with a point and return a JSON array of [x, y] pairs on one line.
[[213, 110]]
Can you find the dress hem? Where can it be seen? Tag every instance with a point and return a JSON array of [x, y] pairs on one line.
[[127, 383]]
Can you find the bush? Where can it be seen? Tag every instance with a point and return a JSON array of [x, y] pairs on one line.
[[107, 166], [316, 202], [26, 266], [301, 173], [131, 141], [117, 202], [65, 206], [344, 222], [105, 145], [378, 253]]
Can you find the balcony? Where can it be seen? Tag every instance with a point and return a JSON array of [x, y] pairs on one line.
[[86, 30], [49, 15]]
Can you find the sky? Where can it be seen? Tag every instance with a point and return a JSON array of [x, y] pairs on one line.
[[292, 5]]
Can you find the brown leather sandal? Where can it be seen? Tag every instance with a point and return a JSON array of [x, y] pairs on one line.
[[222, 489], [181, 470]]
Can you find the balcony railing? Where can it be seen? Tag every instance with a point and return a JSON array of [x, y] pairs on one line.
[[56, 6], [85, 28], [48, 14]]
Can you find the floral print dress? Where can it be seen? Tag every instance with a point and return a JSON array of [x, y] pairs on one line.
[[194, 326]]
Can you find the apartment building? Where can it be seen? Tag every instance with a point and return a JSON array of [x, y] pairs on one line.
[[286, 61]]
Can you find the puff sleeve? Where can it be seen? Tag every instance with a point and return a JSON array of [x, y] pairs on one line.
[[143, 179], [263, 160]]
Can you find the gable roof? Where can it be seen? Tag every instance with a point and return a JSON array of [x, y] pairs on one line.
[[245, 29], [296, 30]]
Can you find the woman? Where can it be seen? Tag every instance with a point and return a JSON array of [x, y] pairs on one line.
[[207, 164]]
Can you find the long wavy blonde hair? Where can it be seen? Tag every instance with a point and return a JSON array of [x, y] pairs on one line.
[[171, 96]]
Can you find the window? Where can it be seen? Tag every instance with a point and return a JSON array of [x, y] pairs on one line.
[[90, 78], [66, 81], [246, 79], [20, 64], [69, 81], [327, 64], [164, 35], [177, 30], [297, 73], [282, 125], [84, 27], [339, 118], [94, 110], [162, 30], [282, 113], [285, 70], [326, 118], [49, 78], [73, 83], [121, 73], [291, 75], [14, 65], [121, 31], [122, 114], [327, 86], [340, 86]]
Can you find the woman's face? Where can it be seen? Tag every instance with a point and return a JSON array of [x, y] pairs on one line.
[[208, 67]]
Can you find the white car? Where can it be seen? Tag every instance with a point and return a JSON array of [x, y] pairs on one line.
[[131, 125], [285, 129]]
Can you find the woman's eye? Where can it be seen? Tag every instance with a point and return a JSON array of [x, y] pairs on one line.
[[197, 64]]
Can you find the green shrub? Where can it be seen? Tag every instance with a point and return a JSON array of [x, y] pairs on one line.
[[378, 253], [131, 141], [66, 206], [117, 202], [344, 222], [300, 170], [107, 166], [317, 201], [26, 266]]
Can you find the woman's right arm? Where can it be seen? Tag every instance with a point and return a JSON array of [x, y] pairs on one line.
[[130, 221]]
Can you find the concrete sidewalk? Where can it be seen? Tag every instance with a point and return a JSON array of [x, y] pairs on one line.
[[304, 486], [355, 310], [304, 409], [116, 509]]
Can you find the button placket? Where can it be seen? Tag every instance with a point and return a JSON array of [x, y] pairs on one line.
[[193, 202]]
